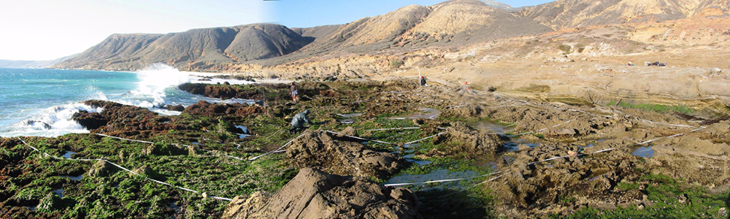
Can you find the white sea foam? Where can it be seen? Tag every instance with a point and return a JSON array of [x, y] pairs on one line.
[[153, 81], [156, 88], [49, 122]]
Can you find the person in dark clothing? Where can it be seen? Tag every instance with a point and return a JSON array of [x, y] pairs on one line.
[[297, 123], [423, 81]]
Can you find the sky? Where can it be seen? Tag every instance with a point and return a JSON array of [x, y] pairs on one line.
[[51, 29]]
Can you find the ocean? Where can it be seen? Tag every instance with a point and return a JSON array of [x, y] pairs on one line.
[[40, 102]]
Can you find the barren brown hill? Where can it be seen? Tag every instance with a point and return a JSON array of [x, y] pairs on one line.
[[194, 47], [452, 23], [581, 13], [385, 40]]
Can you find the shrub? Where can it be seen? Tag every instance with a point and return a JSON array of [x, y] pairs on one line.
[[396, 63]]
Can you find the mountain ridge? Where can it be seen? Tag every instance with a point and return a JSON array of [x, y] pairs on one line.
[[450, 24], [198, 46]]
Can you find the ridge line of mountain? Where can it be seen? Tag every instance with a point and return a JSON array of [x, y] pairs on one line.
[[453, 24]]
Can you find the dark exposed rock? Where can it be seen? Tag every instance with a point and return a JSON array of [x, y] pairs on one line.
[[315, 194], [342, 155], [179, 108], [90, 120], [204, 108], [116, 117]]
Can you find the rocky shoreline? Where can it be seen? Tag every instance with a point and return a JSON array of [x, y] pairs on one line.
[[525, 157]]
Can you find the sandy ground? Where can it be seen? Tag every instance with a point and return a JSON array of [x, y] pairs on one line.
[[686, 80]]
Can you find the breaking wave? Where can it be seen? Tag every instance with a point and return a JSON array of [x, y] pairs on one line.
[[50, 122], [151, 89], [154, 83]]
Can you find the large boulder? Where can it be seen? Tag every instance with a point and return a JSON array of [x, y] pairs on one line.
[[342, 155], [315, 194]]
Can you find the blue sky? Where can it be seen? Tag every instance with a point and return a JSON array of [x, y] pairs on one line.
[[50, 29]]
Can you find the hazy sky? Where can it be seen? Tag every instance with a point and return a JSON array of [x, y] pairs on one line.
[[50, 29]]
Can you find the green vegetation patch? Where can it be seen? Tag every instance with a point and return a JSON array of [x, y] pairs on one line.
[[668, 198], [655, 107], [64, 187]]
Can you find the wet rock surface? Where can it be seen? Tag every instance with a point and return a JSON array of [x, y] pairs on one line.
[[203, 108], [342, 155], [315, 194], [116, 117]]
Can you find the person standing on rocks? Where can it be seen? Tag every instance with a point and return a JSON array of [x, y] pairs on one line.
[[423, 81], [293, 92], [297, 123]]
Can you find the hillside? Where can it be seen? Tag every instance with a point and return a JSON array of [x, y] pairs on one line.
[[408, 27], [581, 13], [454, 24], [193, 47], [414, 26]]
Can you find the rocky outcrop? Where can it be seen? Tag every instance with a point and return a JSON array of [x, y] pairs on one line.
[[90, 120], [342, 155], [204, 108], [118, 117], [463, 139], [315, 194], [225, 92]]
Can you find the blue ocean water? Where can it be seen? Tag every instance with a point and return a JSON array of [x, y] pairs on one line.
[[40, 102]]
